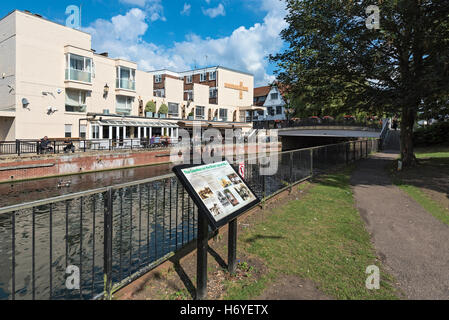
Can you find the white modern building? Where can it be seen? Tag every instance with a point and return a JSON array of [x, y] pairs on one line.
[[52, 83]]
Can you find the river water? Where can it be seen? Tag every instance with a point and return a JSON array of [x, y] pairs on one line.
[[149, 221], [20, 192]]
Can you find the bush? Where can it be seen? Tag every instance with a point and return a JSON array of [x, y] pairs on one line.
[[163, 109], [437, 133], [150, 107]]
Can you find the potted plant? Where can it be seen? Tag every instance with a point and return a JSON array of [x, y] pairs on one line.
[[163, 111], [150, 109], [191, 117]]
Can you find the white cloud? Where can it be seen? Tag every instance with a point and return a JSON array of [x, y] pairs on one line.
[[215, 12], [154, 8], [245, 49], [186, 10]]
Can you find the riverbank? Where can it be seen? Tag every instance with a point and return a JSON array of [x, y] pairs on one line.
[[31, 167], [313, 239]]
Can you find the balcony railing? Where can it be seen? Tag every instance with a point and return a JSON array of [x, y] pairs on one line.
[[78, 75], [126, 84]]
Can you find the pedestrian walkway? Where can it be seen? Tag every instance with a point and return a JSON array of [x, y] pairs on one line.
[[412, 244]]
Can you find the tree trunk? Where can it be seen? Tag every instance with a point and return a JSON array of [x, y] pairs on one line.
[[407, 148]]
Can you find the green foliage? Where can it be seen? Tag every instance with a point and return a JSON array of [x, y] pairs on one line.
[[163, 109], [437, 133], [150, 107], [334, 64]]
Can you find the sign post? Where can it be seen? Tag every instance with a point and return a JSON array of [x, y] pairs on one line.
[[221, 196], [232, 246], [201, 258]]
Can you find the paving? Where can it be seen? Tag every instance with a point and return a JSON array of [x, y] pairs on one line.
[[412, 244]]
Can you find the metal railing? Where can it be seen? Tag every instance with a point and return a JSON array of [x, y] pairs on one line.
[[113, 235], [273, 124], [20, 147]]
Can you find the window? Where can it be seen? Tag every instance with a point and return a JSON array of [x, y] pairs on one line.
[[173, 110], [189, 79], [274, 96], [158, 78], [68, 130], [203, 77], [213, 75], [200, 112], [78, 68], [95, 131], [189, 95], [279, 110], [75, 100], [213, 93], [159, 93], [124, 105], [271, 111], [126, 78], [224, 114], [83, 130]]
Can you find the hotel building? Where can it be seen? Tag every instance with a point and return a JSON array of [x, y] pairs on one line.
[[52, 83]]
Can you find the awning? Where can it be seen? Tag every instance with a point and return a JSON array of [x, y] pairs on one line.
[[251, 108], [191, 124], [143, 124], [213, 124]]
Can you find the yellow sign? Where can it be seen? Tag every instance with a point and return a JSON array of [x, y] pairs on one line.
[[240, 88]]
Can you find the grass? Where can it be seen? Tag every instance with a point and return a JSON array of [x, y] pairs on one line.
[[431, 160], [435, 152], [320, 237], [434, 208]]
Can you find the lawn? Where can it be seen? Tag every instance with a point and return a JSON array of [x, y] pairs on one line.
[[428, 183], [320, 237]]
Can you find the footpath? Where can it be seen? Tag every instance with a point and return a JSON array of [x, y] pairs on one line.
[[412, 244]]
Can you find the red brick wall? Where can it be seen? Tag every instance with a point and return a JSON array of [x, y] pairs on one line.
[[81, 163]]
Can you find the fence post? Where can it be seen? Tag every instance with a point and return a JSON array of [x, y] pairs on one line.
[[354, 151], [108, 209], [84, 146], [367, 153], [232, 246], [311, 162], [347, 153], [291, 172], [18, 147]]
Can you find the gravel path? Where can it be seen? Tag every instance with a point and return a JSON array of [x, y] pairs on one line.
[[413, 245]]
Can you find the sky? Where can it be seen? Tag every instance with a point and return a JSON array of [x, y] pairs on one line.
[[178, 35]]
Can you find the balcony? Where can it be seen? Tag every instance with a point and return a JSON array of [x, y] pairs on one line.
[[126, 84], [78, 75]]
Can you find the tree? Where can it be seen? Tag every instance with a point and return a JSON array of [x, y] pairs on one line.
[[335, 59], [163, 109], [150, 107]]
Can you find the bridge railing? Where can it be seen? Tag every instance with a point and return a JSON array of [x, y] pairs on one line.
[[90, 244], [315, 123]]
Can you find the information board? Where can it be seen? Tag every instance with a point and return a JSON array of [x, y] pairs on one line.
[[217, 190]]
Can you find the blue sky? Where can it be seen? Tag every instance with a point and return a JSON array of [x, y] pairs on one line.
[[177, 34]]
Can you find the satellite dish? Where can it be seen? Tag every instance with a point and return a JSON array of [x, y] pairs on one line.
[[25, 102]]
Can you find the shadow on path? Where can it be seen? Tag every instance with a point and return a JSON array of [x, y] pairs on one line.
[[413, 245]]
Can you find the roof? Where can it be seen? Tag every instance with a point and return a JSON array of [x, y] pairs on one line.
[[262, 91], [153, 124]]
